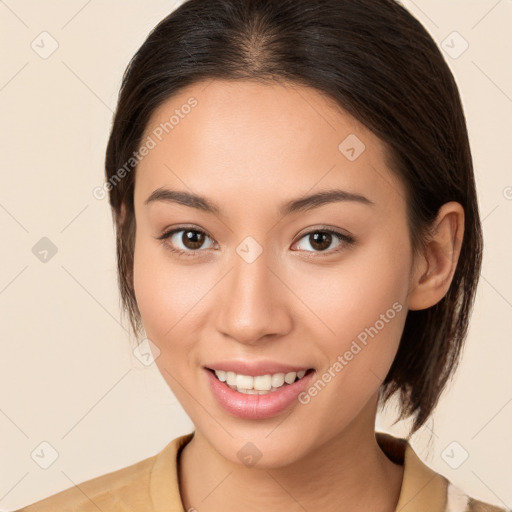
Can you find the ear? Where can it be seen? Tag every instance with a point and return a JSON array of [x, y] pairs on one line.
[[434, 268]]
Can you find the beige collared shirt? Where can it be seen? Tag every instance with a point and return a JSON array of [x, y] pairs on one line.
[[151, 485]]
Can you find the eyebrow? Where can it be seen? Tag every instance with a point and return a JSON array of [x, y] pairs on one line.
[[300, 204]]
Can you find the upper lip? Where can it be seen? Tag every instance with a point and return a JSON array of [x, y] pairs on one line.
[[253, 368]]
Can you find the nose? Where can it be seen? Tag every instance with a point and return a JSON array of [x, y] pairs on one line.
[[254, 302]]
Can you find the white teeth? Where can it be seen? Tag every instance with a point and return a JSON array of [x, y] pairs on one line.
[[260, 384], [244, 382], [231, 378], [248, 391], [252, 392], [289, 378], [277, 380]]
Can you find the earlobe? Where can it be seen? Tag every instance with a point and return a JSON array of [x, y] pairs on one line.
[[434, 271]]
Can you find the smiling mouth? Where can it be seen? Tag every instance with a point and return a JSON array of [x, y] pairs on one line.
[[259, 384]]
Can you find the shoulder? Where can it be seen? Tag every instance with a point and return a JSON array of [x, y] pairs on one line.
[[459, 501], [116, 491], [423, 489], [148, 485]]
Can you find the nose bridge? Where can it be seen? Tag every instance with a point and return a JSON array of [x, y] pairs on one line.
[[251, 307]]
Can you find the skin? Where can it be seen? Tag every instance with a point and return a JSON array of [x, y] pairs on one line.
[[248, 147]]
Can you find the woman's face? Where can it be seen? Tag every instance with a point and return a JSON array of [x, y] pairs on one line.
[[262, 288]]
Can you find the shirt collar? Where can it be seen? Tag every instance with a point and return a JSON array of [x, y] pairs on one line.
[[423, 490]]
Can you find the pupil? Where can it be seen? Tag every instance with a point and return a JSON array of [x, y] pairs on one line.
[[319, 239], [192, 239]]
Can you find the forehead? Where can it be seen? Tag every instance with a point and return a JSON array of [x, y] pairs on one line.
[[222, 137]]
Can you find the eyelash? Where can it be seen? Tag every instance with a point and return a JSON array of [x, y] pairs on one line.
[[346, 239]]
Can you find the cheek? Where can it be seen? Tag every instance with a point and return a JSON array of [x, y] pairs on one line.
[[363, 303], [164, 296], [170, 297], [354, 294], [147, 282]]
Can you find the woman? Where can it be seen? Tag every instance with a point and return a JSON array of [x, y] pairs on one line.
[[298, 236]]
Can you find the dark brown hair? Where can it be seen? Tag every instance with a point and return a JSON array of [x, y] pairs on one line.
[[375, 60]]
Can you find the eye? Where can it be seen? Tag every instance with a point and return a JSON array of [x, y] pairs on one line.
[[185, 241], [190, 241], [321, 240]]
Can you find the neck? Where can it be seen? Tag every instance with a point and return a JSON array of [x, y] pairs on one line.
[[349, 472]]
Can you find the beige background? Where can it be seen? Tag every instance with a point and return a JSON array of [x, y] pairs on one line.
[[68, 375]]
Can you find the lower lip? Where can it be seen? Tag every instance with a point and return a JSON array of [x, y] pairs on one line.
[[256, 407]]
